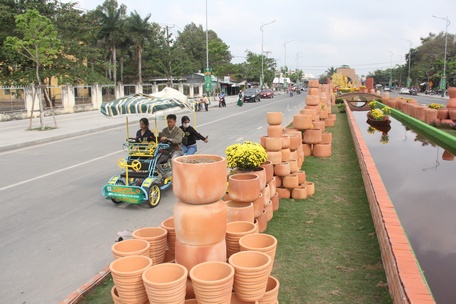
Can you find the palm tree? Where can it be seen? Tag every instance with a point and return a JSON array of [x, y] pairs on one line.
[[111, 22], [138, 31], [330, 71]]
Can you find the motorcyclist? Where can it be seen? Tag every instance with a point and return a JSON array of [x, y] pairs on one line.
[[222, 100]]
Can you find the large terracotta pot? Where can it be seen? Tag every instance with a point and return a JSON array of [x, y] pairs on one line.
[[312, 112], [262, 223], [319, 125], [269, 168], [314, 83], [130, 247], [420, 113], [244, 187], [452, 113], [274, 118], [307, 149], [212, 282], [275, 157], [442, 113], [295, 141], [322, 150], [285, 154], [234, 231], [299, 192], [115, 296], [262, 242], [283, 192], [199, 179], [157, 237], [274, 130], [282, 169], [252, 269], [239, 211], [302, 121], [285, 140], [127, 276], [275, 202], [273, 143], [165, 283], [290, 181], [452, 92], [326, 137], [294, 163], [190, 255], [312, 136], [261, 173], [272, 292], [312, 100], [431, 115], [168, 224], [199, 225]]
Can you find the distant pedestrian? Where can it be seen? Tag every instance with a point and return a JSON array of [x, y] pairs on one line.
[[240, 101]]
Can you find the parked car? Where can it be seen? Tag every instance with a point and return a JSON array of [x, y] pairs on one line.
[[267, 94], [387, 89], [252, 95], [404, 91]]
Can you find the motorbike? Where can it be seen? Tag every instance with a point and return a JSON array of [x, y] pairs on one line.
[[222, 102], [430, 92]]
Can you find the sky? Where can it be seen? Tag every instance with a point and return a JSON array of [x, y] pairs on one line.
[[310, 35]]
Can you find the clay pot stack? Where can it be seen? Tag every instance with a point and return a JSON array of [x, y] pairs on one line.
[[451, 104], [199, 214]]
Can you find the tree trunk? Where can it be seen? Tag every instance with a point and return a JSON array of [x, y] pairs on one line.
[[114, 65], [121, 68], [139, 64]]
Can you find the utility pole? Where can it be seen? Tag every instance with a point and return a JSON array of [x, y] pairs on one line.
[[443, 79], [262, 53]]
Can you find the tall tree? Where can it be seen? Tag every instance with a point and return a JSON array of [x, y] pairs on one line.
[[138, 31]]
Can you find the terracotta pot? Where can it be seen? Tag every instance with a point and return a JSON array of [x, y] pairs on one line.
[[189, 255], [451, 104], [299, 192], [295, 141], [392, 103], [200, 225], [452, 113], [259, 242], [442, 113], [252, 269], [452, 92], [168, 224], [262, 221], [263, 141], [275, 202], [261, 173], [244, 187], [278, 180], [312, 100], [236, 300], [274, 118], [420, 113], [314, 91], [447, 156], [310, 188], [314, 83], [269, 168], [127, 276], [294, 163], [285, 154], [274, 131], [283, 192], [431, 115], [282, 169], [272, 187], [239, 211], [290, 181], [301, 176], [326, 137], [285, 140], [258, 205], [268, 208], [312, 112], [275, 157], [266, 194], [157, 238], [212, 282], [302, 121], [272, 292], [322, 150], [165, 283], [115, 296], [234, 231], [130, 247], [319, 125], [273, 143], [307, 148], [312, 136], [329, 122], [199, 179]]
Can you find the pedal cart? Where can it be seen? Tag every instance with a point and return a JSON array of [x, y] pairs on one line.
[[146, 169]]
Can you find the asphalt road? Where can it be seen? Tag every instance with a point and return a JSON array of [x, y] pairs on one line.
[[57, 229]]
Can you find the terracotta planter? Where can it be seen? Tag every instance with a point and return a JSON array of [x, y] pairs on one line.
[[127, 276], [307, 148], [165, 283], [272, 292], [273, 143], [312, 112], [252, 269], [157, 237], [244, 187], [301, 176], [452, 113], [269, 168], [319, 125], [261, 173], [282, 169], [234, 231], [329, 122], [275, 202], [262, 242], [274, 118], [314, 83], [431, 115], [302, 121], [442, 113], [269, 210], [275, 157], [199, 179], [312, 136], [290, 181], [189, 255], [452, 92], [322, 150], [285, 154], [283, 192], [274, 131], [278, 180], [294, 163], [310, 188], [168, 224], [239, 211], [285, 140], [312, 100], [451, 104], [258, 205], [420, 113], [262, 221], [314, 91], [295, 141], [447, 156], [326, 137], [299, 192], [130, 247], [272, 187], [212, 282], [200, 225]]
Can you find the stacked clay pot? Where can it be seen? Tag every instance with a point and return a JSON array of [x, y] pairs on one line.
[[199, 183], [451, 104]]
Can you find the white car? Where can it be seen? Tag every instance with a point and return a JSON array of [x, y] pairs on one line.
[[404, 91]]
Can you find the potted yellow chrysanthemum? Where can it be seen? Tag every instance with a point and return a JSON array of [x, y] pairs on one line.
[[245, 157]]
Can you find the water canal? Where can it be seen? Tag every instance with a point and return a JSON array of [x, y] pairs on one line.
[[421, 185]]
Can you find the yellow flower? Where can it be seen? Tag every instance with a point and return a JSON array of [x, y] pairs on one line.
[[246, 156]]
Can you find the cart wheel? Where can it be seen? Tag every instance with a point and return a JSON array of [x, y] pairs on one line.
[[154, 195], [118, 182]]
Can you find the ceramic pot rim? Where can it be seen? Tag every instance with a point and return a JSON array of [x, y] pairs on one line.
[[258, 255], [261, 235], [208, 264], [167, 266], [181, 159], [126, 260]]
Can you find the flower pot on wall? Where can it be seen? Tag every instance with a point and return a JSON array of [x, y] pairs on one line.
[[199, 179]]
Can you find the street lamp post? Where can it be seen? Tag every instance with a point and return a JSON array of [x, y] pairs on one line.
[[285, 46], [443, 79], [391, 71], [262, 53]]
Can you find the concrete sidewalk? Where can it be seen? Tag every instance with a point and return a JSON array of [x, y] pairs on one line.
[[14, 134]]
